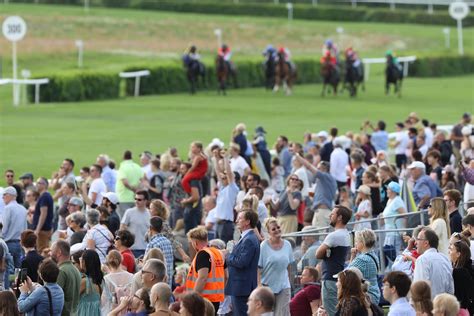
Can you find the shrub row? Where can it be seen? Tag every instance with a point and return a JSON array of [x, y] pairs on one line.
[[172, 78], [304, 11]]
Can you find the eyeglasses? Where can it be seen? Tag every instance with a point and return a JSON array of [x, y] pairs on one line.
[[275, 228], [9, 176], [418, 239], [139, 200]]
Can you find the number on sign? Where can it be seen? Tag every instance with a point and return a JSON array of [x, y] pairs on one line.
[[14, 29]]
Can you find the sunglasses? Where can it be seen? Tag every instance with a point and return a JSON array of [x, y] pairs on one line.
[[117, 238], [9, 176], [139, 200], [275, 228]]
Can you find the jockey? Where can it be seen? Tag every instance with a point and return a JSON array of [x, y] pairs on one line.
[[330, 59], [225, 52], [192, 59], [193, 54], [391, 56], [287, 57], [330, 47], [270, 52]]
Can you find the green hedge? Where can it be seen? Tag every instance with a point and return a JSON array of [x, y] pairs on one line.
[[304, 11], [164, 79], [75, 87]]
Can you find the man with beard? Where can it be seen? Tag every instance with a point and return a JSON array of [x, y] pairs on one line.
[[333, 253]]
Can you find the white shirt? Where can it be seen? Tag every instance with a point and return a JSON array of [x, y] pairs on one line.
[[440, 228], [338, 163], [436, 269], [97, 186], [428, 137], [423, 150], [239, 165], [225, 201], [262, 212], [147, 171], [211, 218], [403, 140], [303, 176]]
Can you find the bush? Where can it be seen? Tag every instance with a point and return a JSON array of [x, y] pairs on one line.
[[442, 66], [75, 87]]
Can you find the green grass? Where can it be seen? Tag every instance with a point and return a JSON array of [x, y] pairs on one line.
[[115, 38], [37, 138]]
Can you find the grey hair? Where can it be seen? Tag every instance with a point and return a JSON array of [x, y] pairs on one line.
[[78, 218], [105, 157], [367, 237], [158, 268], [93, 217], [217, 243]]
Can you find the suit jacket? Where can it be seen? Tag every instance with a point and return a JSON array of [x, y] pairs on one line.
[[242, 266]]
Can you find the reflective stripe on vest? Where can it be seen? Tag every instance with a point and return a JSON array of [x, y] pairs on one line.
[[214, 286]]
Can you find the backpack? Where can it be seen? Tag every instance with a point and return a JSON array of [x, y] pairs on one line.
[[118, 291]]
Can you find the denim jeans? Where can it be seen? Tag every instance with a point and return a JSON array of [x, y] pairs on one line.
[[15, 250], [138, 252], [192, 218]]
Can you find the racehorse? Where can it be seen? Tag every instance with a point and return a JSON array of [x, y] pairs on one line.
[[353, 77], [393, 75], [222, 71], [283, 74], [330, 76], [194, 70], [269, 68]]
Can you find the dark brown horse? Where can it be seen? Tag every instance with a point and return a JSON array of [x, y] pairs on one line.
[[222, 71], [283, 75], [330, 76]]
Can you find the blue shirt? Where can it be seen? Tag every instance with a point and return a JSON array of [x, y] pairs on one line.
[[367, 264], [161, 242], [274, 265], [285, 160], [14, 221], [37, 303], [325, 192], [425, 186], [45, 200], [379, 140], [110, 178], [401, 307]]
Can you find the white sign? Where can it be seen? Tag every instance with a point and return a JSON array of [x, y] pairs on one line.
[[14, 28], [458, 10]]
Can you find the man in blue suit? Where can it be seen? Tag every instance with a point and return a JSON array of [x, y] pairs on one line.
[[242, 263]]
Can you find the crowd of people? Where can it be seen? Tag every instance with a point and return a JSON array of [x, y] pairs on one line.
[[248, 230]]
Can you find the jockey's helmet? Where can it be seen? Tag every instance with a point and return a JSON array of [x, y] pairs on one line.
[[328, 43], [225, 48]]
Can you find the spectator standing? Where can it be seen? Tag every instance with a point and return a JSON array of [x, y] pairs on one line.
[[160, 296], [396, 286], [98, 237], [76, 222], [333, 252], [158, 240], [276, 256], [10, 181], [300, 304], [379, 137], [365, 259], [425, 188], [261, 302], [117, 282], [242, 263], [31, 198], [387, 175], [463, 274], [364, 208], [91, 284], [145, 159], [357, 171], [124, 239], [310, 244], [452, 199], [445, 305], [153, 271], [457, 136], [63, 175], [128, 181], [108, 175], [43, 216], [226, 198], [284, 154], [8, 304], [439, 222], [351, 298], [339, 160], [110, 201], [97, 188], [395, 206], [42, 300], [206, 275], [401, 146], [137, 221], [468, 222], [14, 222], [371, 180], [69, 278], [32, 258], [421, 298], [431, 265]]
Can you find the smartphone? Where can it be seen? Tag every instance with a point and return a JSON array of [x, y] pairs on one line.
[[23, 275], [352, 239]]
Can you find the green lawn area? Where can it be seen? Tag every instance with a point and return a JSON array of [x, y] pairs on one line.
[[115, 38], [37, 138]]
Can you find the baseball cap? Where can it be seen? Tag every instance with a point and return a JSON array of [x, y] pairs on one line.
[[395, 187], [364, 189], [27, 176], [323, 134], [216, 142], [9, 190], [260, 129], [76, 201], [112, 197], [417, 165]]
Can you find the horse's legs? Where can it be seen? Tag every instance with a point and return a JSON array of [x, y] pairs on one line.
[[387, 87], [277, 84], [323, 92]]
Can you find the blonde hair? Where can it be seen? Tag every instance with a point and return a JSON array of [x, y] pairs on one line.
[[440, 210], [270, 221], [154, 253], [179, 225], [447, 304], [183, 270], [161, 208], [198, 233], [114, 259], [239, 128], [250, 202], [421, 297], [367, 237]]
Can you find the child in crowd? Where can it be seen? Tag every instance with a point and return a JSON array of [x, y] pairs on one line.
[[198, 168], [278, 181], [364, 208]]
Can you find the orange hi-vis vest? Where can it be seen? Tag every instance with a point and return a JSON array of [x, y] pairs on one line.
[[214, 287]]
